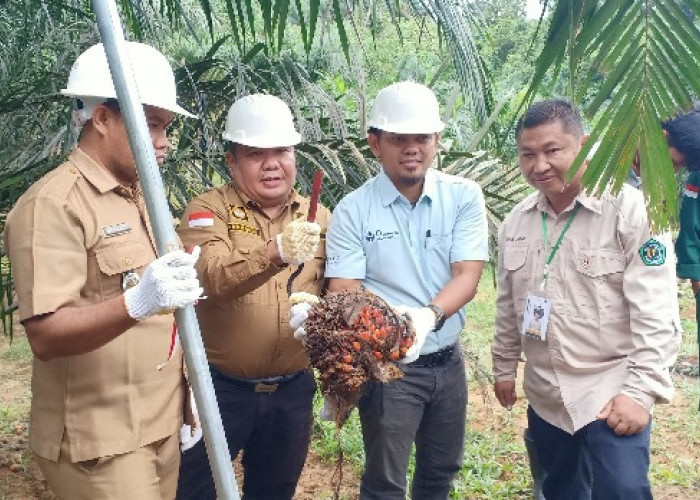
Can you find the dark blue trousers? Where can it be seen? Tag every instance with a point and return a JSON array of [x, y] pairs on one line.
[[594, 463], [272, 429]]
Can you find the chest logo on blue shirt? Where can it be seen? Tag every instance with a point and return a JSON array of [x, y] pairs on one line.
[[380, 235], [653, 253]]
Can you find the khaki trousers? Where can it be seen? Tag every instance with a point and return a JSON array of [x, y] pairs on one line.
[[147, 473]]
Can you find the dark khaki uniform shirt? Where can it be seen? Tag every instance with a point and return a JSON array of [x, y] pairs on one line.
[[245, 319], [71, 238]]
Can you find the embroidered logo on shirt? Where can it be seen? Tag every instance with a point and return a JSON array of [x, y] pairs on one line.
[[653, 253], [116, 229], [691, 191], [380, 235], [238, 212], [201, 219]]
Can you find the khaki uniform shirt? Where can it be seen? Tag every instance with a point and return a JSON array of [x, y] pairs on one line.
[[245, 319], [613, 326], [70, 238]]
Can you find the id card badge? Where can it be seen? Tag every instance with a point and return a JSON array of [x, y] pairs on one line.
[[536, 317]]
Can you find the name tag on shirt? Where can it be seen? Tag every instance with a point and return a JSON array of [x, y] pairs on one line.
[[536, 317], [116, 229]]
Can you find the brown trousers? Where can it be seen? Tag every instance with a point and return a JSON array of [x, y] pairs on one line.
[[147, 473]]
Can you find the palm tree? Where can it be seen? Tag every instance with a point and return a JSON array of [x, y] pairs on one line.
[[642, 56]]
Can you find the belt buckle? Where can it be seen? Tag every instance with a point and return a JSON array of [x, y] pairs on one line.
[[266, 388]]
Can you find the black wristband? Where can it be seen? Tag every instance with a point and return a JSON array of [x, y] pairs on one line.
[[439, 316]]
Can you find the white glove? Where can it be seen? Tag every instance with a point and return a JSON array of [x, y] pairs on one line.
[[297, 315], [169, 282], [298, 242], [423, 319], [302, 302], [188, 436]]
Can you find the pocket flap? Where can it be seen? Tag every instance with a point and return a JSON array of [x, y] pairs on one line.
[[599, 262], [117, 259], [514, 257]]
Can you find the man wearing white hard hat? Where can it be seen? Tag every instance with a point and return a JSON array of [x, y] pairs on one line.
[[253, 233], [417, 238], [96, 300]]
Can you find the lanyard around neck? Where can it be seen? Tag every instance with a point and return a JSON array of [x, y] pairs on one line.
[[554, 249]]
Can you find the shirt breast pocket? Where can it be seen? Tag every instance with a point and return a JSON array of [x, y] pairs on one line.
[[311, 277], [437, 252], [114, 260], [519, 274], [597, 283]]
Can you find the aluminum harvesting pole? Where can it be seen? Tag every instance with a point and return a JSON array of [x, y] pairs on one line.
[[166, 241]]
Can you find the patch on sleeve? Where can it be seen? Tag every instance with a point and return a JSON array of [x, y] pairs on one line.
[[653, 253], [691, 191], [201, 219]]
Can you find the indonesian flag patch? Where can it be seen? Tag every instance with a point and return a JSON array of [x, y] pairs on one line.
[[691, 191], [201, 219]]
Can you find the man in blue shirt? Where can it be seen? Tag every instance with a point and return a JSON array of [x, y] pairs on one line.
[[417, 238]]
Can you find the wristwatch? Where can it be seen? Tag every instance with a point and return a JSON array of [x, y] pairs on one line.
[[439, 316]]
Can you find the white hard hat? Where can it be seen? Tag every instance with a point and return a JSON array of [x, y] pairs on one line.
[[406, 108], [261, 121], [90, 77]]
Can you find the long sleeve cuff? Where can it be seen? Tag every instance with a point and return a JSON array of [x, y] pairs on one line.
[[688, 271], [645, 400]]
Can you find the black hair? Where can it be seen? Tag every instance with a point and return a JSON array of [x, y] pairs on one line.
[[111, 103], [684, 135], [376, 131], [232, 148], [551, 110]]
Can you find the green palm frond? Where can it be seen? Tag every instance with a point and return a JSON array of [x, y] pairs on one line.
[[264, 24], [647, 52], [502, 185], [461, 24], [36, 44]]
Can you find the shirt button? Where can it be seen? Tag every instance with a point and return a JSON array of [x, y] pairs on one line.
[[73, 170], [128, 261]]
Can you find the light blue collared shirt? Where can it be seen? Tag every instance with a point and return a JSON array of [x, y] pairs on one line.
[[403, 252]]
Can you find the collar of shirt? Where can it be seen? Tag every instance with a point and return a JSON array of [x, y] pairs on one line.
[[94, 173], [539, 201], [389, 193]]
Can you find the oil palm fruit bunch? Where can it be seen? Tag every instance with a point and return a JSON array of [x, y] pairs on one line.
[[354, 337]]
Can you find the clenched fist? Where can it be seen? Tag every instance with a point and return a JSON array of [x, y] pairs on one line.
[[298, 242]]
